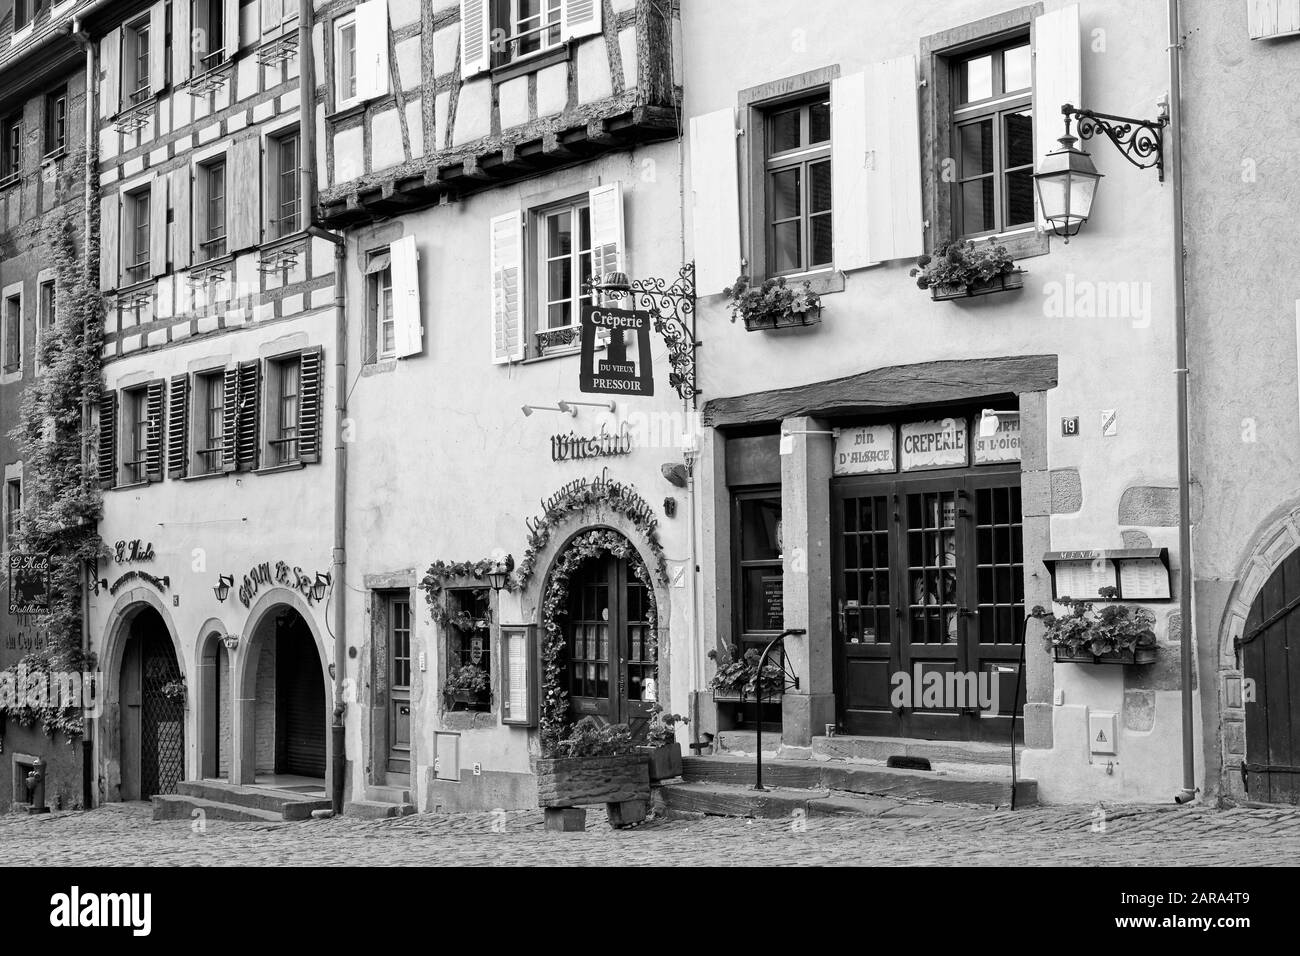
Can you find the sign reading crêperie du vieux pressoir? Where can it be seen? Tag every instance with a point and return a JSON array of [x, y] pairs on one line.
[[625, 368], [940, 443], [865, 450]]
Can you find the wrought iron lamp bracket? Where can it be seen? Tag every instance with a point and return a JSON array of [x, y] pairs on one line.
[[673, 307], [1140, 141]]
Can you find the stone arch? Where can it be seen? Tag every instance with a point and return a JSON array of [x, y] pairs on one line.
[[213, 699]]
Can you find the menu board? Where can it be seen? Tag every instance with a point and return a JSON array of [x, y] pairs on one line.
[[865, 450], [773, 603], [940, 443], [516, 705], [1002, 445], [1082, 580], [1144, 579]]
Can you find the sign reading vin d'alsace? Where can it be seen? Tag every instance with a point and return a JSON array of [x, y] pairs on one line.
[[865, 450], [29, 583], [625, 367]]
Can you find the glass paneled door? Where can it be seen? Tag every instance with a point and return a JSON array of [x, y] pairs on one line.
[[929, 601], [611, 649]]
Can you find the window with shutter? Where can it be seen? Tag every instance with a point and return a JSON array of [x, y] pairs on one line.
[[108, 241], [110, 89], [182, 231], [372, 49], [244, 211], [155, 396], [581, 18], [230, 420], [309, 416], [381, 338], [506, 238], [208, 417], [157, 68], [158, 227], [106, 450], [178, 426], [345, 62], [715, 200], [293, 408], [247, 428], [475, 37], [407, 324]]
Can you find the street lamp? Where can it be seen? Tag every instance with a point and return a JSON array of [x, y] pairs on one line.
[[318, 587], [224, 584], [498, 576]]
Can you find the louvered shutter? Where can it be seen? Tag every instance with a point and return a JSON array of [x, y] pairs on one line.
[[579, 18], [249, 417], [154, 396], [106, 461], [244, 205], [1057, 79], [475, 37], [110, 90], [230, 25], [893, 210], [507, 288], [109, 235], [715, 203], [230, 419], [178, 422], [158, 48], [408, 324], [607, 243], [158, 226], [309, 415], [372, 49], [182, 43], [182, 227]]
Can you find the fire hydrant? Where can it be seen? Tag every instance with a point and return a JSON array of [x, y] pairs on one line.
[[36, 787]]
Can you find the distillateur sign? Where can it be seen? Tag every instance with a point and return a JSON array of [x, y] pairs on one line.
[[625, 367]]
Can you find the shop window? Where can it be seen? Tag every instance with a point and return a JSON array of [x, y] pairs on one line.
[[56, 122], [135, 62], [757, 556], [13, 333], [797, 180], [210, 410], [211, 210], [469, 652], [284, 196], [11, 150]]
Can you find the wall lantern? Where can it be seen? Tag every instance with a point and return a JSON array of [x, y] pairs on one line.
[[231, 641], [989, 419], [1067, 180], [319, 587], [224, 584], [498, 576]]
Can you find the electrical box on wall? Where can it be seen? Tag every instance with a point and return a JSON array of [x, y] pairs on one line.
[[446, 756], [1102, 730]]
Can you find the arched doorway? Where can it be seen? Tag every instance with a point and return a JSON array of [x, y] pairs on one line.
[[284, 672], [1271, 669], [152, 691], [216, 713]]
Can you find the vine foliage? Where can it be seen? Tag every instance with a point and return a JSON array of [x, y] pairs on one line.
[[434, 583]]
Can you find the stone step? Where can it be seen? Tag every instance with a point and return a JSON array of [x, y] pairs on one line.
[[377, 809], [735, 800], [179, 806], [388, 794], [862, 778], [974, 757], [290, 806]]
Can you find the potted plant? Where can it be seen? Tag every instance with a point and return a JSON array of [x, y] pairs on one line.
[[467, 684], [595, 762], [959, 268], [663, 753], [173, 689], [1117, 634], [739, 678], [775, 304]]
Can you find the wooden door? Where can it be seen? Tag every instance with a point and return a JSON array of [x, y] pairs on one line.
[[1272, 699], [399, 686], [131, 698]]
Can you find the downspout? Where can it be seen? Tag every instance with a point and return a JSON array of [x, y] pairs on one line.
[[1186, 639]]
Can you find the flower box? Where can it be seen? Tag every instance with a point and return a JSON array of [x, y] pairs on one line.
[[1139, 655], [791, 320], [1005, 282], [578, 781], [664, 761]]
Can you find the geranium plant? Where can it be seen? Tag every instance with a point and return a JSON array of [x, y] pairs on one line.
[[467, 679], [741, 675], [591, 737], [961, 262], [1115, 629], [771, 302], [659, 731]]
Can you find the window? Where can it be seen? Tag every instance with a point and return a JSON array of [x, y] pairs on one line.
[[564, 266], [798, 186], [382, 342], [209, 20], [286, 403], [13, 509], [136, 435], [212, 210], [13, 334], [469, 656], [56, 122], [135, 62], [25, 12], [399, 625], [11, 162], [993, 140], [284, 192], [533, 27], [345, 61], [210, 407], [45, 317], [135, 234]]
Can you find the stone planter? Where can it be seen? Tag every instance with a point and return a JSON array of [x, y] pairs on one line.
[[578, 781], [791, 320], [1006, 282], [664, 762], [1140, 655]]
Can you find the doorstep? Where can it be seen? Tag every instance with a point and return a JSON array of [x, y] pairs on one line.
[[227, 801]]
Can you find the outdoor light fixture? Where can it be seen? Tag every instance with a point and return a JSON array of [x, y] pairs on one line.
[[675, 472], [101, 585], [322, 582], [224, 583], [989, 422], [230, 640], [498, 576], [609, 406], [562, 407], [614, 282], [1067, 180]]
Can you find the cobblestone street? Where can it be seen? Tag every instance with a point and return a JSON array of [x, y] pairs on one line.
[[121, 834]]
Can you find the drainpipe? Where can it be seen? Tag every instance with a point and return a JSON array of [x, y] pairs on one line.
[[1174, 140], [307, 112]]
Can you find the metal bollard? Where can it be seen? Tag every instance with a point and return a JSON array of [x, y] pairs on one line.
[[36, 787]]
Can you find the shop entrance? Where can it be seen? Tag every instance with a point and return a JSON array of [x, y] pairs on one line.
[[1272, 768], [929, 602], [152, 698], [299, 700]]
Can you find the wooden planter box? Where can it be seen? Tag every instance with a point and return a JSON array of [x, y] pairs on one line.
[[1140, 655], [578, 781], [1006, 282], [469, 699], [664, 762], [791, 320]]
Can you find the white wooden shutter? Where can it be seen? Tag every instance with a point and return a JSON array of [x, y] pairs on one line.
[[715, 193], [372, 49], [893, 161], [182, 43], [244, 205], [849, 171], [408, 327], [155, 397], [475, 37], [579, 18], [182, 227], [607, 243], [1272, 18], [230, 24], [1057, 79], [507, 240], [110, 89], [158, 226], [109, 240], [158, 47]]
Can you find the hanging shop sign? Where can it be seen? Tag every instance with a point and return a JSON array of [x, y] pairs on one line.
[[573, 447], [161, 583], [1002, 445], [265, 575], [624, 368], [940, 443], [129, 552], [29, 583], [865, 450]]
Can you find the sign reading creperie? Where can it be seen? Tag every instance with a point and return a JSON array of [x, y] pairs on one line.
[[940, 443]]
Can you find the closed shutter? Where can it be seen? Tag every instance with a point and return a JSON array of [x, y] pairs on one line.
[[230, 419], [309, 413], [182, 43], [300, 704], [607, 243], [244, 202], [579, 18], [182, 224], [475, 37], [229, 24], [158, 48], [158, 226], [507, 288], [372, 49], [110, 89], [1272, 18], [109, 240], [715, 200], [154, 396], [893, 210], [106, 457], [1057, 79], [178, 420], [272, 14], [247, 432], [408, 324], [849, 171]]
